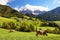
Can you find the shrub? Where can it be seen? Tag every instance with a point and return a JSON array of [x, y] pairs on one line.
[[44, 24], [49, 30], [53, 24], [5, 25], [17, 26], [32, 28], [26, 28], [12, 25], [56, 31]]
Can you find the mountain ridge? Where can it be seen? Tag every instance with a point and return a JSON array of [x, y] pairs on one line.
[[35, 10], [53, 15], [7, 11]]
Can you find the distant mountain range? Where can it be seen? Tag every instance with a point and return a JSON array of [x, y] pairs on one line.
[[35, 10], [52, 15]]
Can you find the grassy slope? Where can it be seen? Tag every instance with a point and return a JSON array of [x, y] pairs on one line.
[[58, 22], [47, 27], [5, 19], [6, 35], [2, 19]]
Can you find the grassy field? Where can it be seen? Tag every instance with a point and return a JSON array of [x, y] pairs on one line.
[[57, 22], [46, 27], [6, 35], [2, 19]]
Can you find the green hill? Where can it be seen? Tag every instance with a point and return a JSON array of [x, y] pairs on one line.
[[7, 11], [26, 24], [6, 20]]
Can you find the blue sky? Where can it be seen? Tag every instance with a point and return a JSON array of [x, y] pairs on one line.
[[51, 4]]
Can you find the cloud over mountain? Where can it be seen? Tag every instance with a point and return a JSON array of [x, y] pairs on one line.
[[32, 8], [4, 2]]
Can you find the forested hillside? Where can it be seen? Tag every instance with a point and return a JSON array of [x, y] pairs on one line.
[[7, 11]]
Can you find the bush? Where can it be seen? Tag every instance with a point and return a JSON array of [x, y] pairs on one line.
[[32, 28], [53, 24], [12, 25], [49, 30], [27, 28], [44, 24], [17, 26], [5, 25], [56, 31]]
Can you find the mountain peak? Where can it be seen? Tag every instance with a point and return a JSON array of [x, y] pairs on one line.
[[35, 10], [32, 8]]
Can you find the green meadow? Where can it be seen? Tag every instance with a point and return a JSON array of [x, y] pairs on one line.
[[6, 35], [18, 35]]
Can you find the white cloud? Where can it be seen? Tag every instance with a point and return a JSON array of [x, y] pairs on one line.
[[17, 8], [4, 2], [31, 7], [56, 1]]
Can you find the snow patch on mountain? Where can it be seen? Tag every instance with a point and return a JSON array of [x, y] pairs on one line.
[[33, 8], [30, 9]]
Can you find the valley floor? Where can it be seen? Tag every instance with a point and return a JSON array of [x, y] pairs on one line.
[[6, 35]]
